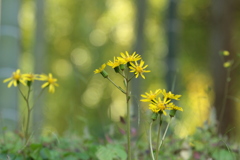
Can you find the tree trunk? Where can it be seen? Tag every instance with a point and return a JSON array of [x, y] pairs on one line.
[[172, 38], [222, 28], [139, 48], [9, 55]]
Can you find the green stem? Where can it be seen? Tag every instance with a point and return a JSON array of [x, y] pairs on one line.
[[225, 96], [158, 136], [28, 112], [122, 75], [150, 140], [131, 77], [116, 85], [165, 132], [38, 97], [128, 121], [128, 113]]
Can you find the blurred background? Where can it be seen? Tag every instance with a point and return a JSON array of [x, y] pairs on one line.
[[179, 40]]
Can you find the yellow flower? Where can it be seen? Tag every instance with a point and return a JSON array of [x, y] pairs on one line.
[[100, 69], [16, 78], [160, 105], [225, 53], [172, 106], [115, 63], [138, 68], [51, 82], [170, 95], [227, 64], [31, 77], [129, 58], [149, 97]]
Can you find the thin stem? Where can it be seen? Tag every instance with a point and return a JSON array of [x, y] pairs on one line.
[[150, 140], [158, 136], [131, 78], [36, 100], [122, 75], [116, 86], [165, 132], [128, 121], [28, 112], [225, 96], [128, 114]]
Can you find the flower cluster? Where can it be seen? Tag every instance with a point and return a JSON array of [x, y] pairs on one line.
[[118, 64], [28, 78], [160, 104]]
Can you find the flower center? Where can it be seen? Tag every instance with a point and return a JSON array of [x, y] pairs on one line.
[[139, 69], [152, 96], [161, 106], [51, 80], [16, 76]]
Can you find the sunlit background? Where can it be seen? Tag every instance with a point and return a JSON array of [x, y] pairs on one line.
[[179, 40]]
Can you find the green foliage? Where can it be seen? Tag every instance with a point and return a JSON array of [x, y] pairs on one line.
[[111, 151], [204, 144]]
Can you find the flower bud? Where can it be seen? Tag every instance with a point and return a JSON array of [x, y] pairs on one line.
[[29, 83], [225, 53], [154, 116], [117, 69], [104, 74], [172, 113], [122, 67]]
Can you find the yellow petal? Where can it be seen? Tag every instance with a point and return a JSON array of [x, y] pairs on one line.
[[142, 76], [6, 80], [51, 89], [45, 85], [10, 84], [15, 83]]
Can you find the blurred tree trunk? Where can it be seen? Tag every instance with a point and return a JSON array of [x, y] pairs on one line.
[[39, 63], [172, 38], [139, 48], [222, 35], [9, 55]]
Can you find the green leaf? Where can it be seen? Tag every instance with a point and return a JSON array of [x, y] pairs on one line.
[[110, 152], [83, 156], [45, 153], [223, 154], [35, 146]]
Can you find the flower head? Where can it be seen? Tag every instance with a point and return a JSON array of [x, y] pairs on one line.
[[138, 68], [50, 82], [129, 58], [159, 105], [16, 78], [227, 64], [30, 77], [162, 105], [102, 71], [170, 95], [149, 97], [116, 62], [225, 53]]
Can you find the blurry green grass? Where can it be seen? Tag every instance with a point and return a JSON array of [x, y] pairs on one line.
[[205, 144]]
